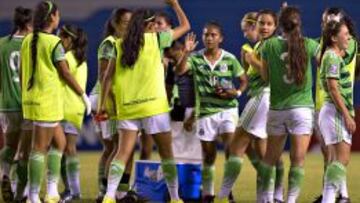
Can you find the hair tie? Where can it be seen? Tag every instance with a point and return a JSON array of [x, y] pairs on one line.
[[149, 18], [50, 4], [69, 32], [250, 20], [333, 17]]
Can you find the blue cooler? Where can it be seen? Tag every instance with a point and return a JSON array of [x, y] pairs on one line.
[[150, 183]]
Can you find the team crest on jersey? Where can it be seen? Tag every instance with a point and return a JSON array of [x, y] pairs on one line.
[[333, 69], [223, 68]]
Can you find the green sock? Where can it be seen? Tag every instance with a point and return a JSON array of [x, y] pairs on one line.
[[335, 173], [231, 172], [22, 173], [334, 176], [63, 174], [170, 173], [115, 173], [73, 174], [254, 159], [54, 167], [279, 179], [208, 174], [267, 178], [101, 178], [7, 155], [296, 178], [36, 173], [279, 175]]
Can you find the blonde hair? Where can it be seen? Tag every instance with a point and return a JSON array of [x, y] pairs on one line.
[[249, 18]]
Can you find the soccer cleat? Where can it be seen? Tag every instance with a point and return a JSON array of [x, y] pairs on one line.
[[231, 198], [38, 201], [278, 201], [223, 200], [108, 200], [52, 199], [70, 198], [131, 197], [341, 199], [208, 199], [176, 201], [6, 189]]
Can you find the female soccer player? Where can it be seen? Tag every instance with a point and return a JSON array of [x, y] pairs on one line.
[[336, 119], [115, 28], [43, 68], [250, 31], [253, 120], [334, 14], [213, 71], [12, 125], [286, 65], [74, 40], [145, 105]]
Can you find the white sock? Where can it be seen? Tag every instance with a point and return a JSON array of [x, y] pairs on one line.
[[343, 189], [74, 183], [115, 173], [329, 193], [34, 194], [52, 188], [279, 193]]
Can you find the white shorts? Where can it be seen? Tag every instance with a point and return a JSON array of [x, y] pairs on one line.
[[253, 119], [317, 131], [69, 128], [106, 128], [332, 125], [46, 124], [297, 121], [208, 128], [13, 122], [152, 125]]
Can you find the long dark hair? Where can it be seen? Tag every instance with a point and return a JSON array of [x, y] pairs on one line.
[[114, 20], [41, 20], [22, 17], [134, 38], [330, 30], [290, 22], [343, 16], [78, 39]]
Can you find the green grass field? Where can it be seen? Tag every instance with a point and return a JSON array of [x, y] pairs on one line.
[[244, 190]]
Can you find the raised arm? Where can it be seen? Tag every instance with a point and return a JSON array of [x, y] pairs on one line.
[[184, 25], [190, 45]]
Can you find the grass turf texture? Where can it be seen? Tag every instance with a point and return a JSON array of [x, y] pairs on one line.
[[244, 190]]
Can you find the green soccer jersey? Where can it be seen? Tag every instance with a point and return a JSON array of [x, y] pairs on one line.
[[256, 83], [334, 67], [10, 94], [284, 92], [207, 76]]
